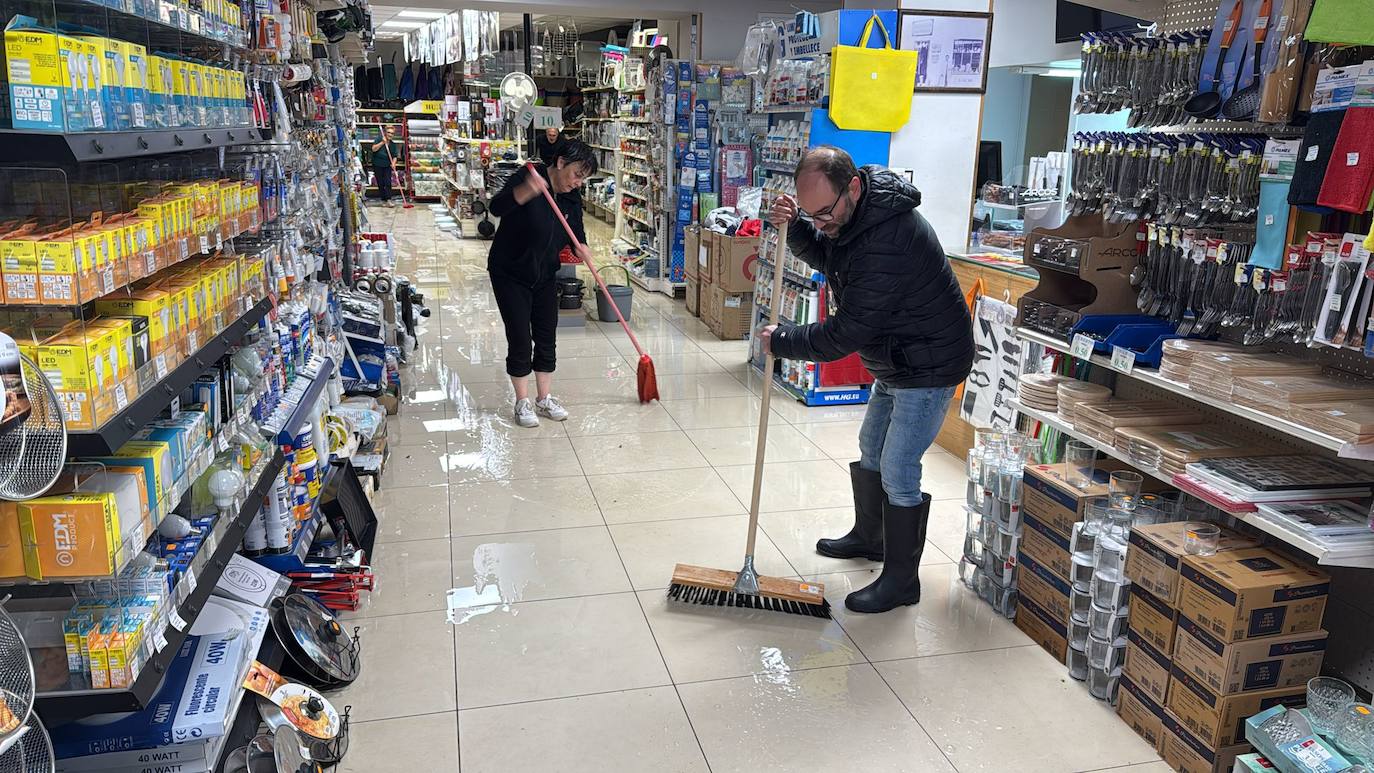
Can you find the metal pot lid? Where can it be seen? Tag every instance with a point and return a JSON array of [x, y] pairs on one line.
[[307, 711], [290, 756], [321, 751], [318, 633], [261, 755], [236, 761]]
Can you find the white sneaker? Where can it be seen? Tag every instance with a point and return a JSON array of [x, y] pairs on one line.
[[524, 413], [551, 408]]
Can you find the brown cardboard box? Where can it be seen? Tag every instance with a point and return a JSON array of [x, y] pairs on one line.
[[1042, 628], [706, 258], [693, 295], [691, 251], [1147, 667], [1246, 594], [1046, 546], [1048, 495], [1219, 720], [1185, 752], [1049, 591], [1153, 620], [730, 314], [1253, 664], [1144, 715], [1156, 552], [735, 263]]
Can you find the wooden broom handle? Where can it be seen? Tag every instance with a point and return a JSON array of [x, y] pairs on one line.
[[774, 305]]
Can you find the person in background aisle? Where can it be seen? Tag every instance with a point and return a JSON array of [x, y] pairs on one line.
[[385, 151], [523, 264], [899, 307], [550, 144]]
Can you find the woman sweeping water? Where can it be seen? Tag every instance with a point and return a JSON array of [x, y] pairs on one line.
[[523, 265]]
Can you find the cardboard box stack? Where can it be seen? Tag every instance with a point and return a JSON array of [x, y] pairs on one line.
[[1214, 640], [696, 265], [727, 284]]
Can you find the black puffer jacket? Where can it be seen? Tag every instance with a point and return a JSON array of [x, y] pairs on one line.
[[899, 304], [529, 238]]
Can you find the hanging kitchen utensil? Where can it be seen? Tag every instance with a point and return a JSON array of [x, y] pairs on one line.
[[33, 432], [325, 752], [1244, 103], [318, 650], [1206, 104]]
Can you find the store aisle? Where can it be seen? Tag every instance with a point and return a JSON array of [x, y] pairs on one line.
[[559, 542]]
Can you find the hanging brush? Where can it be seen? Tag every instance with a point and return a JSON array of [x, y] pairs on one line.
[[745, 588]]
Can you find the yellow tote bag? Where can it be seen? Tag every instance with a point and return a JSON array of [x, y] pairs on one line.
[[870, 88]]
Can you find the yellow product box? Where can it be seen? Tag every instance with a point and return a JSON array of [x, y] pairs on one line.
[[99, 660], [19, 265], [61, 255], [115, 113], [160, 97], [181, 90], [11, 544], [150, 303], [119, 342], [136, 76], [70, 536], [120, 647], [77, 366], [158, 225], [39, 64]]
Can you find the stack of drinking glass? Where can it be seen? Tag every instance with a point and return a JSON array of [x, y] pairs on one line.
[[1101, 591], [993, 509]]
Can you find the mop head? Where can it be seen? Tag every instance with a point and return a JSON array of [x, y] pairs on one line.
[[647, 381], [716, 588]]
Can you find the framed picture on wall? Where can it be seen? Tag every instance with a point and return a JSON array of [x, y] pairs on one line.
[[953, 49]]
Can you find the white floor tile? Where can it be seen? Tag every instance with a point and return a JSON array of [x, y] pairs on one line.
[[531, 504], [633, 497], [403, 686], [631, 730], [607, 454], [731, 446], [418, 512], [651, 550], [792, 485], [535, 565], [428, 743], [555, 649]]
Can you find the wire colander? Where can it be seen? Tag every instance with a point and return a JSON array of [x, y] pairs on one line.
[[30, 751], [32, 452], [24, 743]]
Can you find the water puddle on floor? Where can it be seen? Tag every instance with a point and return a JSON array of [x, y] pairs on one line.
[[501, 572]]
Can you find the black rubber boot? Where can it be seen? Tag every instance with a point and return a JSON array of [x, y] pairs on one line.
[[865, 540], [904, 535]]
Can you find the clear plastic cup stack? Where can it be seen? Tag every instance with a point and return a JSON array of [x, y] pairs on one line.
[[993, 505]]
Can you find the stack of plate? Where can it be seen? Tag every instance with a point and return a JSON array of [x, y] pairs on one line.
[[1179, 353], [1169, 449], [1100, 421], [1216, 374], [1352, 422], [1040, 391], [1075, 393], [1277, 395]]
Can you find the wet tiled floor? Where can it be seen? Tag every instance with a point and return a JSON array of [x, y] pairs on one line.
[[559, 541]]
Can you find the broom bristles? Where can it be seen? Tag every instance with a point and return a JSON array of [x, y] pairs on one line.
[[647, 380], [715, 588]]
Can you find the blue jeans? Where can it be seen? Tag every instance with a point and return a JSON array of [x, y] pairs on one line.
[[899, 425]]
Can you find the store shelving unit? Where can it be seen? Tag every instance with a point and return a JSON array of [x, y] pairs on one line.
[[423, 151]]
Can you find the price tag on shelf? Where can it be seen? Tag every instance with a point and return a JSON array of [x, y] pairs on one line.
[[219, 240], [121, 397], [184, 248], [107, 280], [190, 579], [1082, 346], [150, 261], [254, 220], [1123, 359], [193, 339], [160, 362], [205, 244], [160, 641], [176, 621]]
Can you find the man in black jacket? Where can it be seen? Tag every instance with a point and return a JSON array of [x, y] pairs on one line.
[[899, 307]]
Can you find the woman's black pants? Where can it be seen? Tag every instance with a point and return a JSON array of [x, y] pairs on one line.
[[530, 315]]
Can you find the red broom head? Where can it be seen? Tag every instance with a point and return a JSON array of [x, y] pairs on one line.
[[647, 381]]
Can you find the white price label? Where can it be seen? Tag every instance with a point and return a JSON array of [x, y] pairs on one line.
[[150, 261], [176, 621], [204, 244], [1352, 159], [160, 362], [160, 642], [190, 579], [121, 397], [193, 339], [1312, 152], [1082, 347], [1123, 359], [219, 241], [107, 280], [254, 220], [184, 247]]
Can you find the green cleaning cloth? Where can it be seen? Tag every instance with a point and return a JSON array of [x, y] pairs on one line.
[[1342, 21]]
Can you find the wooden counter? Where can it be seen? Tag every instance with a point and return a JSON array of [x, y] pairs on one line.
[[1001, 282]]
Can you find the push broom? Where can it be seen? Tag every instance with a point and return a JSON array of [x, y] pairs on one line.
[[745, 588], [646, 381], [405, 201]]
